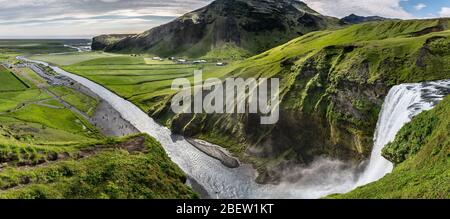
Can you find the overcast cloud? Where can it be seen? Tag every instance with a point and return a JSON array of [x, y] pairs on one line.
[[341, 8], [86, 18]]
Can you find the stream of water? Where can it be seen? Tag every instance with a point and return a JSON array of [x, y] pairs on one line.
[[321, 178]]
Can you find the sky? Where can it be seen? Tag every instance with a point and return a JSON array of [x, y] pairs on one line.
[[88, 18]]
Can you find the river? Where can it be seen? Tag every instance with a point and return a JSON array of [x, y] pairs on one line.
[[321, 178]]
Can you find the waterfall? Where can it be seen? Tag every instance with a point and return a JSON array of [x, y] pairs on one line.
[[401, 104]]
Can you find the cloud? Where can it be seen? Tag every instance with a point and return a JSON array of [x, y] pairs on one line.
[[92, 17], [420, 6], [342, 8], [88, 17], [445, 12]]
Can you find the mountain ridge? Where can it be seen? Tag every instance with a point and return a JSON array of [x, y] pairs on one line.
[[356, 19], [251, 25]]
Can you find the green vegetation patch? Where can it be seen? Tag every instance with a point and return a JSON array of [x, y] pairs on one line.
[[12, 100], [61, 119], [72, 58], [10, 82], [82, 102], [108, 174]]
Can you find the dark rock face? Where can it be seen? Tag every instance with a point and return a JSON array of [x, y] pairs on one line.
[[355, 19], [103, 41], [254, 25]]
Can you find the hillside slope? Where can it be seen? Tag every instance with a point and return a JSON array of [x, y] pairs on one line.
[[421, 153], [245, 26], [333, 84], [103, 41], [135, 167]]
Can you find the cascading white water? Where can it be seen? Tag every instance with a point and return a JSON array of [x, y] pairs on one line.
[[401, 104], [321, 178]]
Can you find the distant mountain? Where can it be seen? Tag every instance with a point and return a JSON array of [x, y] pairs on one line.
[[228, 27], [103, 41], [356, 19]]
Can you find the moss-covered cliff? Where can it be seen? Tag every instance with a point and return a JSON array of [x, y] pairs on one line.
[[333, 84]]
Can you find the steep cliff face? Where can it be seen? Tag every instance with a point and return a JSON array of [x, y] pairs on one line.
[[333, 84], [250, 26], [103, 41]]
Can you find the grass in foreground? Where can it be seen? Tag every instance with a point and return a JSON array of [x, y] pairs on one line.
[[111, 173]]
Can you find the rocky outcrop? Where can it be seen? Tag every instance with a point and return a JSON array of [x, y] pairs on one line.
[[103, 41], [253, 25]]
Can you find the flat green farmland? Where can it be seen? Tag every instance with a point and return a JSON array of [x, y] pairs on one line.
[[144, 82], [71, 58], [9, 82]]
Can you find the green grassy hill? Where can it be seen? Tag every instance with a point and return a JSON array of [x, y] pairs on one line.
[[421, 152]]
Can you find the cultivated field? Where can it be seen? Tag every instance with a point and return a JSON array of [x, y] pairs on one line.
[[143, 81], [33, 116], [9, 81], [71, 58]]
